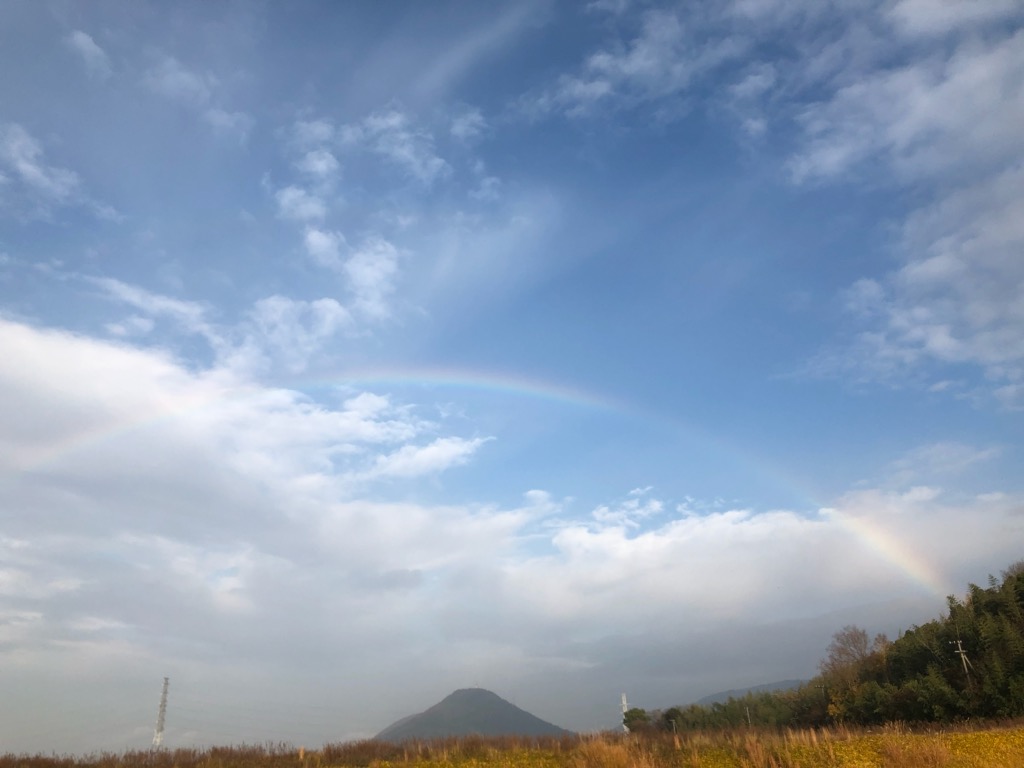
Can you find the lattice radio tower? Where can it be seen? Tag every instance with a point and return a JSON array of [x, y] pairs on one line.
[[158, 733], [625, 708]]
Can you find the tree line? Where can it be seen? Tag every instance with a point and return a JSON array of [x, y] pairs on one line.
[[968, 664]]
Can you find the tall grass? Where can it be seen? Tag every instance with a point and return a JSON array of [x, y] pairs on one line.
[[891, 747]]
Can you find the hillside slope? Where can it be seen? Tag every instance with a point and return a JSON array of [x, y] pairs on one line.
[[469, 711]]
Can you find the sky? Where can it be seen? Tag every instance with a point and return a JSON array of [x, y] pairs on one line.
[[353, 353]]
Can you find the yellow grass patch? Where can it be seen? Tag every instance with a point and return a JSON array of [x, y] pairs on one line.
[[891, 747]]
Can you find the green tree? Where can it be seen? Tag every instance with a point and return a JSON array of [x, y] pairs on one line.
[[636, 720], [671, 719]]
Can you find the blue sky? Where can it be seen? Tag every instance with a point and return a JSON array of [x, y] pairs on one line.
[[353, 353]]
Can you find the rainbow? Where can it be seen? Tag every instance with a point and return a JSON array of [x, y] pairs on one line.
[[403, 381], [37, 457], [377, 379], [893, 549], [488, 382]]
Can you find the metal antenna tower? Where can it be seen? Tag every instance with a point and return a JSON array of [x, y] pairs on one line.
[[625, 708], [158, 734]]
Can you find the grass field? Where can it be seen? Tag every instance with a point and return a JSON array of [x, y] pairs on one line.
[[892, 747]]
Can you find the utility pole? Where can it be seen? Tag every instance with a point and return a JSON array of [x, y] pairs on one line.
[[158, 734], [963, 657]]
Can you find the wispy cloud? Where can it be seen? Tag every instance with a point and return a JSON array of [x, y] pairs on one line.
[[33, 187], [172, 79], [939, 462], [936, 17], [630, 512], [468, 123], [416, 460], [237, 124], [956, 298], [369, 268], [307, 134], [23, 156], [371, 272], [196, 90], [134, 325], [294, 331], [318, 163], [97, 63], [393, 136], [325, 247], [189, 314], [277, 334], [609, 6], [299, 204], [659, 62], [901, 116], [746, 97]]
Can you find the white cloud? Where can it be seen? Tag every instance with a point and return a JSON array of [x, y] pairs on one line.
[[96, 60], [746, 98], [295, 330], [950, 123], [939, 462], [468, 124], [371, 271], [233, 123], [257, 548], [870, 540], [307, 134], [659, 62], [936, 17], [134, 325], [23, 156], [198, 91], [298, 204], [190, 315], [318, 163], [416, 460], [17, 583], [630, 512], [964, 280], [392, 135], [903, 117], [758, 80], [325, 247], [173, 80], [609, 6], [277, 330], [94, 389]]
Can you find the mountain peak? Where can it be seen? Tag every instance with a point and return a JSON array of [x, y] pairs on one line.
[[470, 711]]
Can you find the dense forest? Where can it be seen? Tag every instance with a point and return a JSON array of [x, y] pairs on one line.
[[968, 664]]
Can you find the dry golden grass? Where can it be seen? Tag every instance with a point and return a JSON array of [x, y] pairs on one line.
[[890, 747]]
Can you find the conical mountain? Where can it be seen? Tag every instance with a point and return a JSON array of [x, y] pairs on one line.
[[467, 712]]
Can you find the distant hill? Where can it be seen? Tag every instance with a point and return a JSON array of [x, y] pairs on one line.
[[466, 712], [737, 693]]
